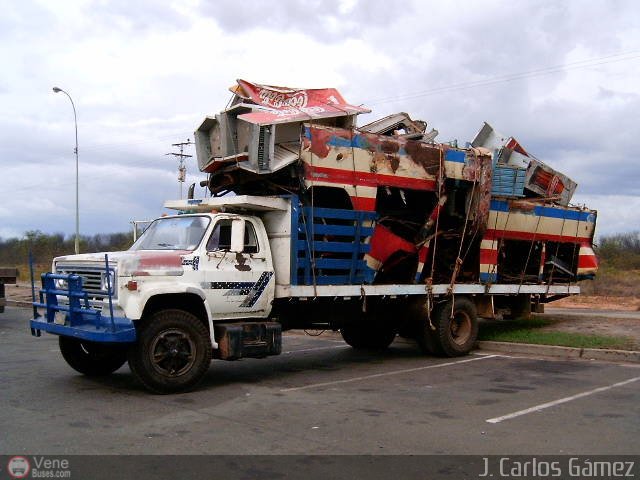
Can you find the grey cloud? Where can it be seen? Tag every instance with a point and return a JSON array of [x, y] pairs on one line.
[[324, 20], [20, 19], [137, 16]]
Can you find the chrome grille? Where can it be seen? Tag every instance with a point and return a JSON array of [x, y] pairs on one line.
[[93, 279]]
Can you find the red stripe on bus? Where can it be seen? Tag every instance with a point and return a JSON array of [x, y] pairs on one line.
[[488, 256], [514, 235], [365, 179]]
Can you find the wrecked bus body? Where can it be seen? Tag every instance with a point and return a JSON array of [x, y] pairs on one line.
[[489, 200]]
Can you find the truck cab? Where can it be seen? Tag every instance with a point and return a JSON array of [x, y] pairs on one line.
[[223, 258], [164, 304]]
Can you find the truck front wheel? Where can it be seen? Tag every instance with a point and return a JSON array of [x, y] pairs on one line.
[[173, 352], [455, 330], [91, 358]]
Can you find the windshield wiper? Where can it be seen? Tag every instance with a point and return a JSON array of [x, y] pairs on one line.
[[165, 244]]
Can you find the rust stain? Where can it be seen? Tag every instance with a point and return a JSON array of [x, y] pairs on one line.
[[241, 265], [523, 205], [379, 162], [472, 168], [484, 173], [394, 162], [422, 154], [389, 146]]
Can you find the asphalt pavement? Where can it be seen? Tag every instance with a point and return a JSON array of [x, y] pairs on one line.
[[320, 397]]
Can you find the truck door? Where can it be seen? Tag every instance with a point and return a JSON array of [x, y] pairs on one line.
[[238, 271]]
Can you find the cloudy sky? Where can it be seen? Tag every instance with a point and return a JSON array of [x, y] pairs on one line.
[[563, 77]]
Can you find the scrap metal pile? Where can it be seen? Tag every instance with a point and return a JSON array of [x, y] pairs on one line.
[[489, 212]]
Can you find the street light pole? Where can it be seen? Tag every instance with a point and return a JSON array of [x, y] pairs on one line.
[[75, 120]]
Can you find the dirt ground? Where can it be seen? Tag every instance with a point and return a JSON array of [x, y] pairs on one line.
[[599, 315], [599, 302], [18, 293]]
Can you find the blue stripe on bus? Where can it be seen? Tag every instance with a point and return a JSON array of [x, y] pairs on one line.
[[550, 212], [455, 156]]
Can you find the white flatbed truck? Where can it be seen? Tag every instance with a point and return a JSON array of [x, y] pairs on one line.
[[225, 277]]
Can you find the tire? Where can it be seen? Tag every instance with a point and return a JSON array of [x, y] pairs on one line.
[[428, 338], [369, 333], [453, 336], [173, 352], [423, 333], [91, 358]]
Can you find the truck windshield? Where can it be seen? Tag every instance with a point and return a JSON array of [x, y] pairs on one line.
[[173, 233]]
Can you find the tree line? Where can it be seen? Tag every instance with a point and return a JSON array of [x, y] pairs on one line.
[[620, 251], [44, 247]]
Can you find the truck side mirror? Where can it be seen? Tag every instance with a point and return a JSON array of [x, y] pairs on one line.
[[237, 235]]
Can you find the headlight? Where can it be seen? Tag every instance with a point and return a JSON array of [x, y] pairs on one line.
[[108, 281], [61, 284]]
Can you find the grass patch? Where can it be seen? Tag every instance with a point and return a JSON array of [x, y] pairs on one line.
[[613, 282], [529, 331]]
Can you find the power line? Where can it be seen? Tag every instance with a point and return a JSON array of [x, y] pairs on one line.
[[102, 146], [619, 57]]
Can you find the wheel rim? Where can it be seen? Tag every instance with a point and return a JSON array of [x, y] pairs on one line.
[[172, 353], [460, 328]]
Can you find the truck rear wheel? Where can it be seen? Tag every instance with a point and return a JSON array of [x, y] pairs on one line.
[[92, 358], [370, 332], [454, 335], [364, 337], [173, 352]]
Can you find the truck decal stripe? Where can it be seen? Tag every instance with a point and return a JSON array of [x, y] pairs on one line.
[[252, 290]]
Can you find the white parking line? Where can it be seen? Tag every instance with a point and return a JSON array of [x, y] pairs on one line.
[[542, 406], [377, 375]]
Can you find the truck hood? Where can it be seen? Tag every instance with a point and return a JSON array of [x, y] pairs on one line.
[[133, 263]]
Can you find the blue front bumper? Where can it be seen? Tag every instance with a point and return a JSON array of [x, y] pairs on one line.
[[121, 330], [80, 319]]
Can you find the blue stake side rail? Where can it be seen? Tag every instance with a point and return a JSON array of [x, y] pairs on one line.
[[328, 246], [80, 319]]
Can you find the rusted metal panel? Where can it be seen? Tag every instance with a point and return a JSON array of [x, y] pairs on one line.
[[549, 183], [540, 179], [347, 157]]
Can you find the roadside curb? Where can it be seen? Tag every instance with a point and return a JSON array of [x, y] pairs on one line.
[[565, 352]]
